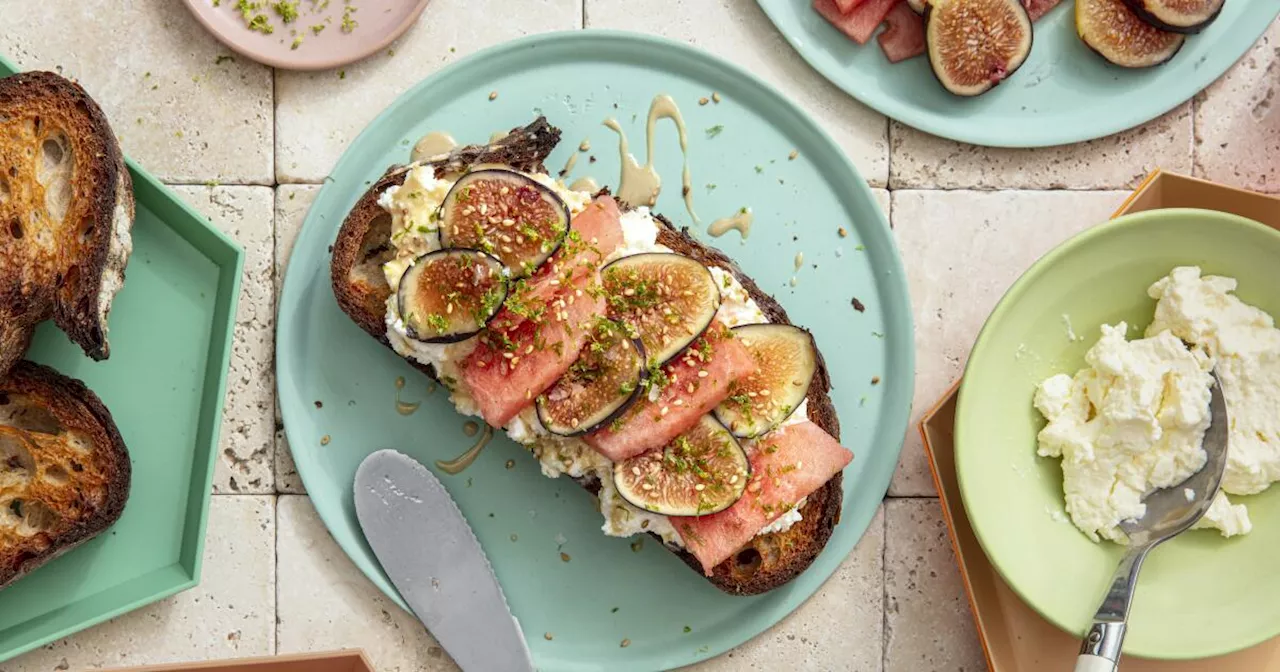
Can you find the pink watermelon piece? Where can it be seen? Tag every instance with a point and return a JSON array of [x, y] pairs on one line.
[[689, 396], [903, 37], [787, 464], [859, 24], [598, 235], [1038, 8], [517, 358]]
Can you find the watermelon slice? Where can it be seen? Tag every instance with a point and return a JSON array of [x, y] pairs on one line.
[[598, 234], [1038, 8], [903, 38], [546, 320], [787, 464], [689, 395], [859, 24]]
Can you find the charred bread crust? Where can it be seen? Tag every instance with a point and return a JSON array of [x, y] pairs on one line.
[[76, 408], [68, 287], [364, 241], [770, 560]]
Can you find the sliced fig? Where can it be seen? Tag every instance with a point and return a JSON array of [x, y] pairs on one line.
[[1179, 16], [974, 45], [1119, 35], [701, 471], [599, 385], [786, 359], [449, 295], [506, 214], [669, 299]]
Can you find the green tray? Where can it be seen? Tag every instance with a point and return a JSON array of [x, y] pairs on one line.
[[607, 592], [171, 330]]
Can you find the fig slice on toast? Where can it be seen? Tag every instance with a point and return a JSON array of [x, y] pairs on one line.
[[506, 214], [1119, 35], [1179, 16], [669, 299], [599, 385], [973, 45], [786, 359], [700, 472], [450, 295]]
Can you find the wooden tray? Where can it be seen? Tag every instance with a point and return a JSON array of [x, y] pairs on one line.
[[340, 661]]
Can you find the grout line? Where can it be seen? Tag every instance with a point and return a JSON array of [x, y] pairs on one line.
[[275, 555], [884, 591], [582, 17]]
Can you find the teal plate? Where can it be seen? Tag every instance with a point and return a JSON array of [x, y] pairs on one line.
[[1064, 93], [171, 330], [606, 592]]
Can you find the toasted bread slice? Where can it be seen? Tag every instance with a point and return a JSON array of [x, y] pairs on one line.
[[66, 209], [770, 560], [64, 470]]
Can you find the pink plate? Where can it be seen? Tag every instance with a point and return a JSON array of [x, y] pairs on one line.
[[316, 39]]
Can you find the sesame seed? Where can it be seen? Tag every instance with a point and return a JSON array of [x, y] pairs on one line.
[[548, 636], [626, 643]]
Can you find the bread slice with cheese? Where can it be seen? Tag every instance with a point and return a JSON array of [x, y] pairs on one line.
[[66, 210], [364, 245]]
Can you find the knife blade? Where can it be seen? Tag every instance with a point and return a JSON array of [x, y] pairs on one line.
[[433, 558]]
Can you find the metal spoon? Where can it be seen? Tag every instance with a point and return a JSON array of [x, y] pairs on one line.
[[1168, 514]]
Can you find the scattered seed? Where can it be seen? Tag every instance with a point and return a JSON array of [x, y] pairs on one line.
[[324, 440], [792, 156], [635, 548], [515, 537], [842, 231], [857, 305], [564, 557], [704, 100], [548, 637], [626, 643], [493, 95], [875, 380], [715, 96], [511, 464]]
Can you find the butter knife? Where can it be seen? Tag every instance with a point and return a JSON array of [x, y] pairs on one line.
[[433, 558]]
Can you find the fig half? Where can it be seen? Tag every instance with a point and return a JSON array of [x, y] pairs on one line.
[[701, 471], [1179, 16], [917, 6], [669, 299], [599, 385], [506, 214], [450, 295], [1119, 35], [787, 360], [974, 45]]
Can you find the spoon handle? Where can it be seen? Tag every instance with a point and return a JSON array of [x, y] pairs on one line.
[[1105, 637]]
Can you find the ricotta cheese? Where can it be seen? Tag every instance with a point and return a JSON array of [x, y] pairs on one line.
[[1245, 346], [414, 233], [1130, 423]]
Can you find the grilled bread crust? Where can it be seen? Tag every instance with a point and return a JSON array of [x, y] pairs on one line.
[[64, 470], [66, 209], [363, 245]]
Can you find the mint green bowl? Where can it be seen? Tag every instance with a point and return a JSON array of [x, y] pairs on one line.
[[1199, 595]]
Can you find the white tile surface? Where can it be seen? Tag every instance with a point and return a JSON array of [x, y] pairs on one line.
[[325, 603], [922, 161], [246, 446], [229, 615], [1238, 121], [928, 625], [180, 105], [317, 114], [962, 250]]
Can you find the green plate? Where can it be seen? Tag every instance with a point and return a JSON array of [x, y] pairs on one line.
[[1064, 93], [171, 330], [1199, 595], [607, 592]]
